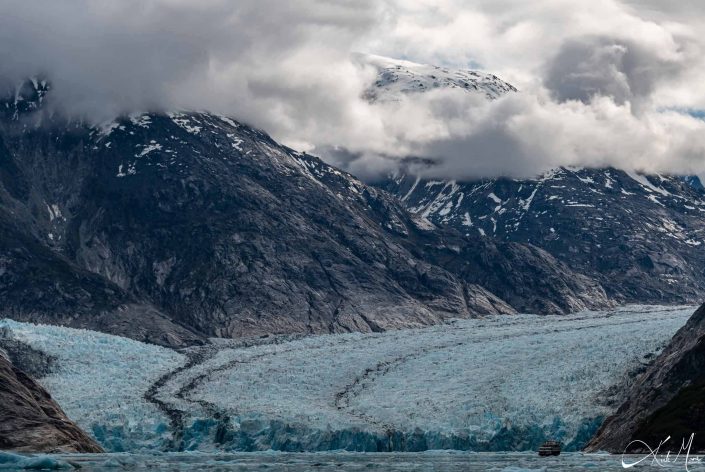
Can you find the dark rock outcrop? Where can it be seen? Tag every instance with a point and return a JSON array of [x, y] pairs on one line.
[[668, 399], [31, 421], [24, 357]]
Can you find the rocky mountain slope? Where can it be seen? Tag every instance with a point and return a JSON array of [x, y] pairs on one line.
[[667, 400], [41, 285], [640, 236], [31, 421], [197, 225]]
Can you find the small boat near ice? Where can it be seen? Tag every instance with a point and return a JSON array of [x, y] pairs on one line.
[[550, 448]]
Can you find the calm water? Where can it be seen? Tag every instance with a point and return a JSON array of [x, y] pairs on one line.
[[428, 461]]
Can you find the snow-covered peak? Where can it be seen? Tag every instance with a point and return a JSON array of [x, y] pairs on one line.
[[396, 78]]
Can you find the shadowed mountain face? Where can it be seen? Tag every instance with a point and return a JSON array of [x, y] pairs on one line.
[[40, 285], [640, 236], [668, 399], [174, 227], [31, 421]]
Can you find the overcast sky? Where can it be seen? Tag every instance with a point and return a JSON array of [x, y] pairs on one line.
[[602, 82]]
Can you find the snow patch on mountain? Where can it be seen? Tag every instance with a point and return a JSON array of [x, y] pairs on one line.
[[143, 120], [644, 182], [185, 120], [147, 148]]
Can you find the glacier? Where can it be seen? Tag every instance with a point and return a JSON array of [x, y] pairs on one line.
[[100, 382], [495, 383]]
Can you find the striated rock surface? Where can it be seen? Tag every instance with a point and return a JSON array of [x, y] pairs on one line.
[[667, 400], [42, 286], [31, 421]]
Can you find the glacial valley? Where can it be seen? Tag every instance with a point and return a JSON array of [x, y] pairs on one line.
[[485, 384]]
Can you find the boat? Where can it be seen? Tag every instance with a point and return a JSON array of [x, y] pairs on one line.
[[550, 448]]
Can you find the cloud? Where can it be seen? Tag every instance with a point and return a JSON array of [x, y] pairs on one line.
[[596, 78], [621, 69], [597, 81], [521, 135], [265, 60]]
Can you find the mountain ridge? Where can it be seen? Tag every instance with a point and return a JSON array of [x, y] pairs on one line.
[[221, 231], [639, 235]]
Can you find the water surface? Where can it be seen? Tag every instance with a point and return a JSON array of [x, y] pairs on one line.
[[450, 461]]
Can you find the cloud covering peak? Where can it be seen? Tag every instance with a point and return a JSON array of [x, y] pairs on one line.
[[600, 83]]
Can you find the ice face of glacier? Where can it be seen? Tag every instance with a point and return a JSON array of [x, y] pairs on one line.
[[100, 381], [488, 384], [491, 384]]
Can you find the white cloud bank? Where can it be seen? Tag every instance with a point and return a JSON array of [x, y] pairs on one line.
[[597, 78]]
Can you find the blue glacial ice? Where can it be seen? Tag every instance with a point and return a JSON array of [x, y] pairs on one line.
[[11, 461], [490, 384], [101, 380]]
